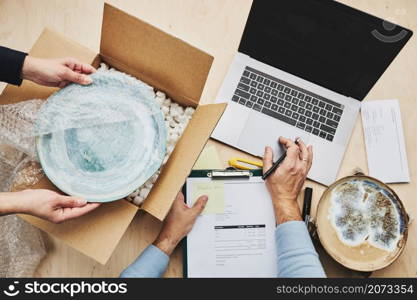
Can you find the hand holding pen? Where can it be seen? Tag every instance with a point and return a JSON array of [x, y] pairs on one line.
[[284, 183], [277, 163]]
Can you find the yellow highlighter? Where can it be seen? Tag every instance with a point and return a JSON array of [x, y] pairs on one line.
[[244, 164]]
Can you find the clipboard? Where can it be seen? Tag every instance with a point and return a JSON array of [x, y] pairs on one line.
[[229, 175]]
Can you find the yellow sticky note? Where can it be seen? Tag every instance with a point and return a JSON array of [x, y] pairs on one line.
[[208, 159], [215, 192]]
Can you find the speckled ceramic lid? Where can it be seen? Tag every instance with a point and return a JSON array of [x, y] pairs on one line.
[[361, 223]]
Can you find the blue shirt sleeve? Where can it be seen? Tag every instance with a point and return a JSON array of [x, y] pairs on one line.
[[296, 254], [152, 263]]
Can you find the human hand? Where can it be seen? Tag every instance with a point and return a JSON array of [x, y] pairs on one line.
[[178, 223], [48, 205], [56, 72], [285, 183]]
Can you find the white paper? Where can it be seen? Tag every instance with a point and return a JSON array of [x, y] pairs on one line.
[[384, 140], [241, 241]]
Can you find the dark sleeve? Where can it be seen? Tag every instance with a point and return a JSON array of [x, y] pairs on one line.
[[11, 63]]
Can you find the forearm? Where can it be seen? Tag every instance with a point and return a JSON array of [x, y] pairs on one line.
[[286, 211], [10, 203], [178, 223], [152, 263], [296, 254], [11, 64]]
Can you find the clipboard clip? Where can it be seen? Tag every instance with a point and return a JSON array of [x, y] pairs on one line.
[[229, 173]]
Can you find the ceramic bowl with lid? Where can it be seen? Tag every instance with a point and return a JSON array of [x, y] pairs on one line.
[[362, 223]]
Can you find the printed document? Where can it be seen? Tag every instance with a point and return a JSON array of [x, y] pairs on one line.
[[240, 242], [384, 140]]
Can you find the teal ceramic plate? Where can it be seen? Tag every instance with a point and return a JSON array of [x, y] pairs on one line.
[[100, 151]]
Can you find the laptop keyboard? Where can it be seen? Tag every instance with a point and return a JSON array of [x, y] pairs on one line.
[[290, 104]]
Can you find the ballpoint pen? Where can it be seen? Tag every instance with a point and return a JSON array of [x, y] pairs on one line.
[[277, 163]]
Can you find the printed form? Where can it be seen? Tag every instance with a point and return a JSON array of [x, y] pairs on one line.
[[240, 240], [384, 141]]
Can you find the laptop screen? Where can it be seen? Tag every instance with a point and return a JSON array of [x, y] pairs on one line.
[[323, 41]]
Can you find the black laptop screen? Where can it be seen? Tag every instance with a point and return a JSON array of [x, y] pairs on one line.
[[323, 41]]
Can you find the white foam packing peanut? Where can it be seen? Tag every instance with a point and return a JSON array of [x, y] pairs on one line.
[[176, 120]]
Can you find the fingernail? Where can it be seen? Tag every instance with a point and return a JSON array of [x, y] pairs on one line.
[[205, 198], [81, 201], [87, 80]]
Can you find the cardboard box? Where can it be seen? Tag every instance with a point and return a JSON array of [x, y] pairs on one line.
[[166, 63]]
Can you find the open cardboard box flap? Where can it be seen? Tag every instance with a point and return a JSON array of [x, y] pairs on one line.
[[182, 159], [159, 59]]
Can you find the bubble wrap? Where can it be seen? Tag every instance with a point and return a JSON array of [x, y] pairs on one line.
[[121, 97], [20, 123], [17, 125], [21, 247], [21, 244]]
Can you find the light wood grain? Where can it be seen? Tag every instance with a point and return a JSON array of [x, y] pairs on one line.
[[216, 27]]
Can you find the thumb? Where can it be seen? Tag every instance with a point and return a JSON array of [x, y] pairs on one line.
[[199, 205], [67, 201], [76, 77], [267, 160]]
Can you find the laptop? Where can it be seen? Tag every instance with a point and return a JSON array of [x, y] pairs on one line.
[[302, 69]]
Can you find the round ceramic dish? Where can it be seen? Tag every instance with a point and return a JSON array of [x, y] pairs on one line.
[[104, 158], [362, 223]]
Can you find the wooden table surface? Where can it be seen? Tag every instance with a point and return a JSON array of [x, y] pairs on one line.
[[216, 27]]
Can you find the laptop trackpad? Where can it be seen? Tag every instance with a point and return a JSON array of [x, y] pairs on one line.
[[261, 130]]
